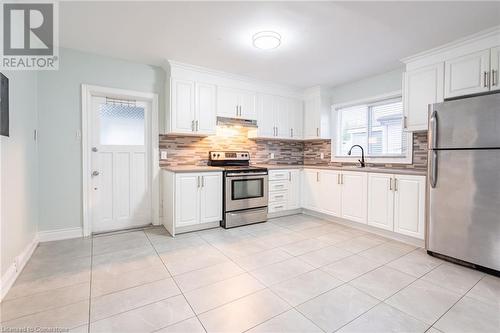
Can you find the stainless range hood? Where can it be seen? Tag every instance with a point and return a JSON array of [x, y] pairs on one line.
[[224, 121]]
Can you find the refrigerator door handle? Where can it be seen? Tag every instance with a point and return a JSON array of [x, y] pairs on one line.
[[433, 169], [433, 125]]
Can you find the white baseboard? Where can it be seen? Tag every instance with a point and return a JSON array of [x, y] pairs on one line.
[[60, 234], [10, 276]]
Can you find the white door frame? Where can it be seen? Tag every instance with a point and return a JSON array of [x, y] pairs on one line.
[[88, 91]]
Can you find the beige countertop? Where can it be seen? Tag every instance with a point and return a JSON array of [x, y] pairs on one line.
[[192, 168], [346, 168]]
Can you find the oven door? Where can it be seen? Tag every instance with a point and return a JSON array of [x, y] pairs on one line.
[[245, 191]]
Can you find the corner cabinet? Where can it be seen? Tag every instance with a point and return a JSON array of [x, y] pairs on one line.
[[192, 108], [191, 200], [421, 87], [397, 203]]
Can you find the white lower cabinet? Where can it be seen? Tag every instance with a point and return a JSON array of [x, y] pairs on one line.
[[284, 190], [191, 199], [354, 195], [397, 203], [387, 201]]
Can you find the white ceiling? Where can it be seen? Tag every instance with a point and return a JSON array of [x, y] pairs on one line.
[[326, 43]]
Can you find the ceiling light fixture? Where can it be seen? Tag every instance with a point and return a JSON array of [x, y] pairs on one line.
[[266, 40]]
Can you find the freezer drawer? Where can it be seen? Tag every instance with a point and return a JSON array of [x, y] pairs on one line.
[[466, 123], [463, 197]]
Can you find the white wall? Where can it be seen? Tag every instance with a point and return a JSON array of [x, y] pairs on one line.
[[60, 119], [368, 87], [19, 193]]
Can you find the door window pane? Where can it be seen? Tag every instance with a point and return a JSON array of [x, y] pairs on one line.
[[247, 188], [121, 124]]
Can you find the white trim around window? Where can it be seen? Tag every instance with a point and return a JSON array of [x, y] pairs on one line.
[[407, 159]]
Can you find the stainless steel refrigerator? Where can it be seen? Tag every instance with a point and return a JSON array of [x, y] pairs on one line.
[[463, 190]]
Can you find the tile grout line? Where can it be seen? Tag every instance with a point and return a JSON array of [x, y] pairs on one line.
[[180, 290]]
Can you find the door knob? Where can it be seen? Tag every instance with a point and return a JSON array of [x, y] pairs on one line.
[[94, 149], [95, 173]]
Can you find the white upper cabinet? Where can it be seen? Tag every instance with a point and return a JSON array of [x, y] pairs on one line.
[[228, 102], [467, 74], [317, 109], [205, 108], [495, 68], [409, 205], [354, 195], [236, 103], [422, 86], [278, 117], [192, 108], [182, 106]]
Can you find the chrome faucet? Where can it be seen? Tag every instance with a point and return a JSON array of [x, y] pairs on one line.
[[362, 160]]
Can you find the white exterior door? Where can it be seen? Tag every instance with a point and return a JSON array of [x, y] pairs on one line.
[[121, 164], [409, 205], [467, 74], [354, 196], [381, 201]]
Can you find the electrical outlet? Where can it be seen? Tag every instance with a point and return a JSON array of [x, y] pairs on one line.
[[163, 155], [322, 155], [271, 156]]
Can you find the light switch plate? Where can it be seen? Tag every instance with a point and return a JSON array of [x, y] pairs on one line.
[[322, 155], [271, 156], [163, 155]]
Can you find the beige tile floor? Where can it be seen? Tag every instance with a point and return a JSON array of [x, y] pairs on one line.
[[291, 274]]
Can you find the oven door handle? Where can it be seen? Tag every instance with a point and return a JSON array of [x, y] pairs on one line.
[[236, 174]]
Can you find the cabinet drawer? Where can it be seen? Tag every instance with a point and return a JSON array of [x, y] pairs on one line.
[[278, 175], [278, 186], [276, 207], [276, 197]]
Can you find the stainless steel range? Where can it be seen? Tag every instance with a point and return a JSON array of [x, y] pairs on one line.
[[245, 188]]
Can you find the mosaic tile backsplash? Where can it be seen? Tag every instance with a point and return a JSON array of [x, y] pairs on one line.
[[188, 150]]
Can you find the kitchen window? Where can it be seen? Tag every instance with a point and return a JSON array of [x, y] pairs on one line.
[[375, 125]]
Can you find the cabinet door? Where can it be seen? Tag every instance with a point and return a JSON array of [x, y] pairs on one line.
[[293, 198], [227, 102], [297, 119], [265, 115], [381, 201], [211, 197], [187, 199], [182, 106], [282, 117], [206, 108], [495, 68], [409, 205], [330, 193], [311, 118], [247, 105], [354, 195], [422, 87], [467, 74], [310, 189]]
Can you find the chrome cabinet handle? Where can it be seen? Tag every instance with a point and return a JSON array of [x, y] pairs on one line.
[[192, 125], [338, 178], [390, 184], [485, 79], [405, 122], [494, 77], [198, 181], [197, 126], [317, 131], [317, 176], [289, 176], [202, 181], [395, 184], [291, 132], [94, 149]]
